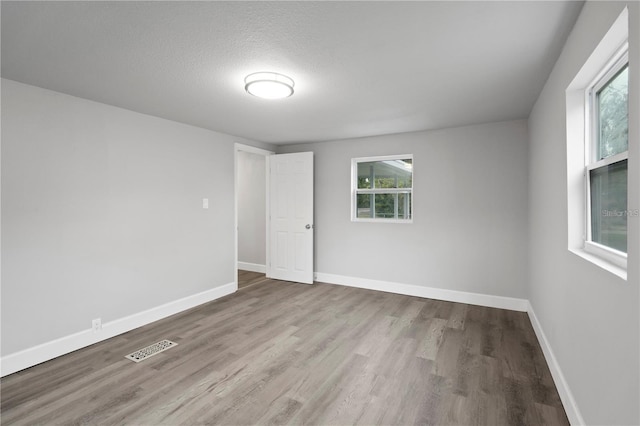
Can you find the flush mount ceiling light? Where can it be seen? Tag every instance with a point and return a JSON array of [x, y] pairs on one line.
[[268, 85]]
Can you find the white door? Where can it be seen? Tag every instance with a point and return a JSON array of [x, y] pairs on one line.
[[291, 217]]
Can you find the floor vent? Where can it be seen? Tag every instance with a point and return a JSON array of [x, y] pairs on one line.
[[151, 350]]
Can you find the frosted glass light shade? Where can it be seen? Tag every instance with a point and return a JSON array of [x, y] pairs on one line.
[[269, 85]]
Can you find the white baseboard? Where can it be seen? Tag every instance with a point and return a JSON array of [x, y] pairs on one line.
[[569, 403], [253, 267], [490, 301], [32, 356]]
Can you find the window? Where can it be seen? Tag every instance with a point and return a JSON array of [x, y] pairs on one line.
[[382, 189], [597, 152], [606, 161]]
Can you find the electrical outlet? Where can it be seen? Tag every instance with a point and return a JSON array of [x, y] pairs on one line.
[[96, 324]]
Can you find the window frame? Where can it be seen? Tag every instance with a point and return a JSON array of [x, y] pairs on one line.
[[592, 135], [578, 131], [355, 190]]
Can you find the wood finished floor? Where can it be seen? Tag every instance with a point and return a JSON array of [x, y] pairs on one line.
[[286, 353], [249, 278]]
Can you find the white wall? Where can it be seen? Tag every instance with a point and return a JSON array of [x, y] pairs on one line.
[[590, 317], [102, 213], [470, 202], [251, 208]]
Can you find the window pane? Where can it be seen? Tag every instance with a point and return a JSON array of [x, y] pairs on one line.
[[385, 206], [365, 175], [613, 115], [363, 207], [385, 174], [609, 205], [404, 206]]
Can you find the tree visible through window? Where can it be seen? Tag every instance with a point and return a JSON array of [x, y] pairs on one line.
[[613, 114]]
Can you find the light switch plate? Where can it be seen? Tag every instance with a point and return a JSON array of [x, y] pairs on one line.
[[205, 203]]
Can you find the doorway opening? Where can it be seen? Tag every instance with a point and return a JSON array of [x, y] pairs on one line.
[[251, 198]]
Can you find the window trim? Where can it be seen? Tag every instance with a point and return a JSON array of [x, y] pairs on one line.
[[355, 191], [614, 256]]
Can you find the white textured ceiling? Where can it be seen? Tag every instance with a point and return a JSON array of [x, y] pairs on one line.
[[361, 68]]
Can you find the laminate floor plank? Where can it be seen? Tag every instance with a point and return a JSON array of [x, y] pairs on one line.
[[430, 343], [285, 353], [249, 278], [280, 412]]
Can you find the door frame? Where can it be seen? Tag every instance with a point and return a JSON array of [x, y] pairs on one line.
[[238, 147]]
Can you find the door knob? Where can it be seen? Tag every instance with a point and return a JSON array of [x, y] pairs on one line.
[[308, 226]]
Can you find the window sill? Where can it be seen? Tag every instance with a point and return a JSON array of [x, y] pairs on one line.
[[602, 263]]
